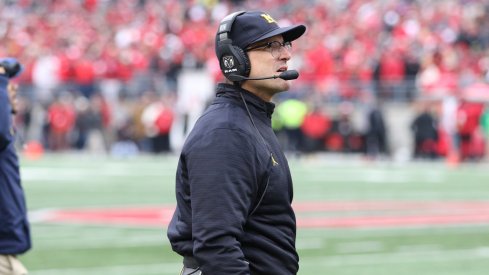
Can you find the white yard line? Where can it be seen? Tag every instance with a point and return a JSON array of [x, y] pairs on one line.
[[400, 257], [359, 247], [146, 269]]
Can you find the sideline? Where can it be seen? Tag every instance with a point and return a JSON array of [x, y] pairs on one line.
[[337, 214]]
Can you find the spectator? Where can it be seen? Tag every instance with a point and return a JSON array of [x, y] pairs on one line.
[[314, 129], [376, 137], [124, 48], [468, 121], [61, 119], [292, 113], [342, 131], [425, 131], [485, 127], [157, 118], [389, 74]]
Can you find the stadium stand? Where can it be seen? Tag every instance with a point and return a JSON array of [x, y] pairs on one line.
[[105, 61]]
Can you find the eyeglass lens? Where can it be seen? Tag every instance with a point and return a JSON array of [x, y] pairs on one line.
[[277, 47]]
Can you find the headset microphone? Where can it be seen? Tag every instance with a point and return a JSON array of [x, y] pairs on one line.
[[287, 75]]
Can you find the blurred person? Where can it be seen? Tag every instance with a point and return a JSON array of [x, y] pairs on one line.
[[314, 128], [124, 145], [157, 119], [83, 122], [23, 116], [425, 132], [61, 119], [233, 183], [468, 119], [90, 126], [341, 132], [292, 111], [46, 76], [84, 76], [389, 73], [376, 135], [138, 127], [485, 127], [14, 227], [412, 67]]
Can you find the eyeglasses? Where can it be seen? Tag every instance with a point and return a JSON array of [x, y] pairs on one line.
[[274, 47]]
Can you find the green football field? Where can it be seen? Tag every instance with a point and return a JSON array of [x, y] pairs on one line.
[[100, 215]]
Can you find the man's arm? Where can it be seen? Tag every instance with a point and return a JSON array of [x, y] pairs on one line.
[[222, 176], [9, 68], [5, 114]]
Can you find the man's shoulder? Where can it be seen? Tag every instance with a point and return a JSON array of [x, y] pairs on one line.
[[223, 116], [222, 121]]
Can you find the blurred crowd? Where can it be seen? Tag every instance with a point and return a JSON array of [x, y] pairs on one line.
[[104, 73]]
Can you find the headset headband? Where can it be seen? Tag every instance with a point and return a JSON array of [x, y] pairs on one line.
[[226, 25]]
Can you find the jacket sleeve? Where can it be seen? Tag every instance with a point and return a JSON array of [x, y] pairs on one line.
[[222, 177], [5, 115]]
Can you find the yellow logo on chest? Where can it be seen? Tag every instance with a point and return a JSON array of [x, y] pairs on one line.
[[274, 162]]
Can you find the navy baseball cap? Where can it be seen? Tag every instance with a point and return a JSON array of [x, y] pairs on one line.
[[254, 26]]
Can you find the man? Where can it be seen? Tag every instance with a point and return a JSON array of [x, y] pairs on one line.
[[14, 228], [233, 184]]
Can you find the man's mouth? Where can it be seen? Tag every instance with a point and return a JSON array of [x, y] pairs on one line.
[[282, 69]]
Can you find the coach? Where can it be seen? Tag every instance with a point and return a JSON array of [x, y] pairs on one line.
[[233, 183]]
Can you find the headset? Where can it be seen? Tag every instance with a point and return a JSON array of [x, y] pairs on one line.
[[233, 60]]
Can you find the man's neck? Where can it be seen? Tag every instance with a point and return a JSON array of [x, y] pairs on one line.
[[267, 97]]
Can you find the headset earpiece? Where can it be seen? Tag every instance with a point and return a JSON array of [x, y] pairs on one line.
[[243, 60], [233, 60]]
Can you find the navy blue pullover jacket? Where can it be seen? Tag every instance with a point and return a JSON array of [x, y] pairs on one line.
[[14, 228], [225, 167]]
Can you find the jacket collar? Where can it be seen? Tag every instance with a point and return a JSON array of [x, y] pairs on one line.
[[233, 91]]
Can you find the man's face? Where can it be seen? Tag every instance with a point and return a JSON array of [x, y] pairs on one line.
[[12, 95], [268, 61]]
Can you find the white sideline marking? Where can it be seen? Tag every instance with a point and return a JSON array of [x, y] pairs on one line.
[[359, 247], [313, 243], [400, 257], [77, 174], [374, 176], [146, 269], [419, 247]]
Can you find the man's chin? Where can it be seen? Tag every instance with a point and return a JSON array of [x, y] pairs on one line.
[[285, 86]]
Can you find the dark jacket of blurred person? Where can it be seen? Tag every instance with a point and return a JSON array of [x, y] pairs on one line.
[[89, 118], [425, 132], [14, 227], [233, 183], [376, 136]]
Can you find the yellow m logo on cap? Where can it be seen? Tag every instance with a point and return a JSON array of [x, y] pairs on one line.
[[268, 18]]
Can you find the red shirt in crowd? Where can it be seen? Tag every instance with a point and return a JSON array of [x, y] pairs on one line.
[[61, 117]]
